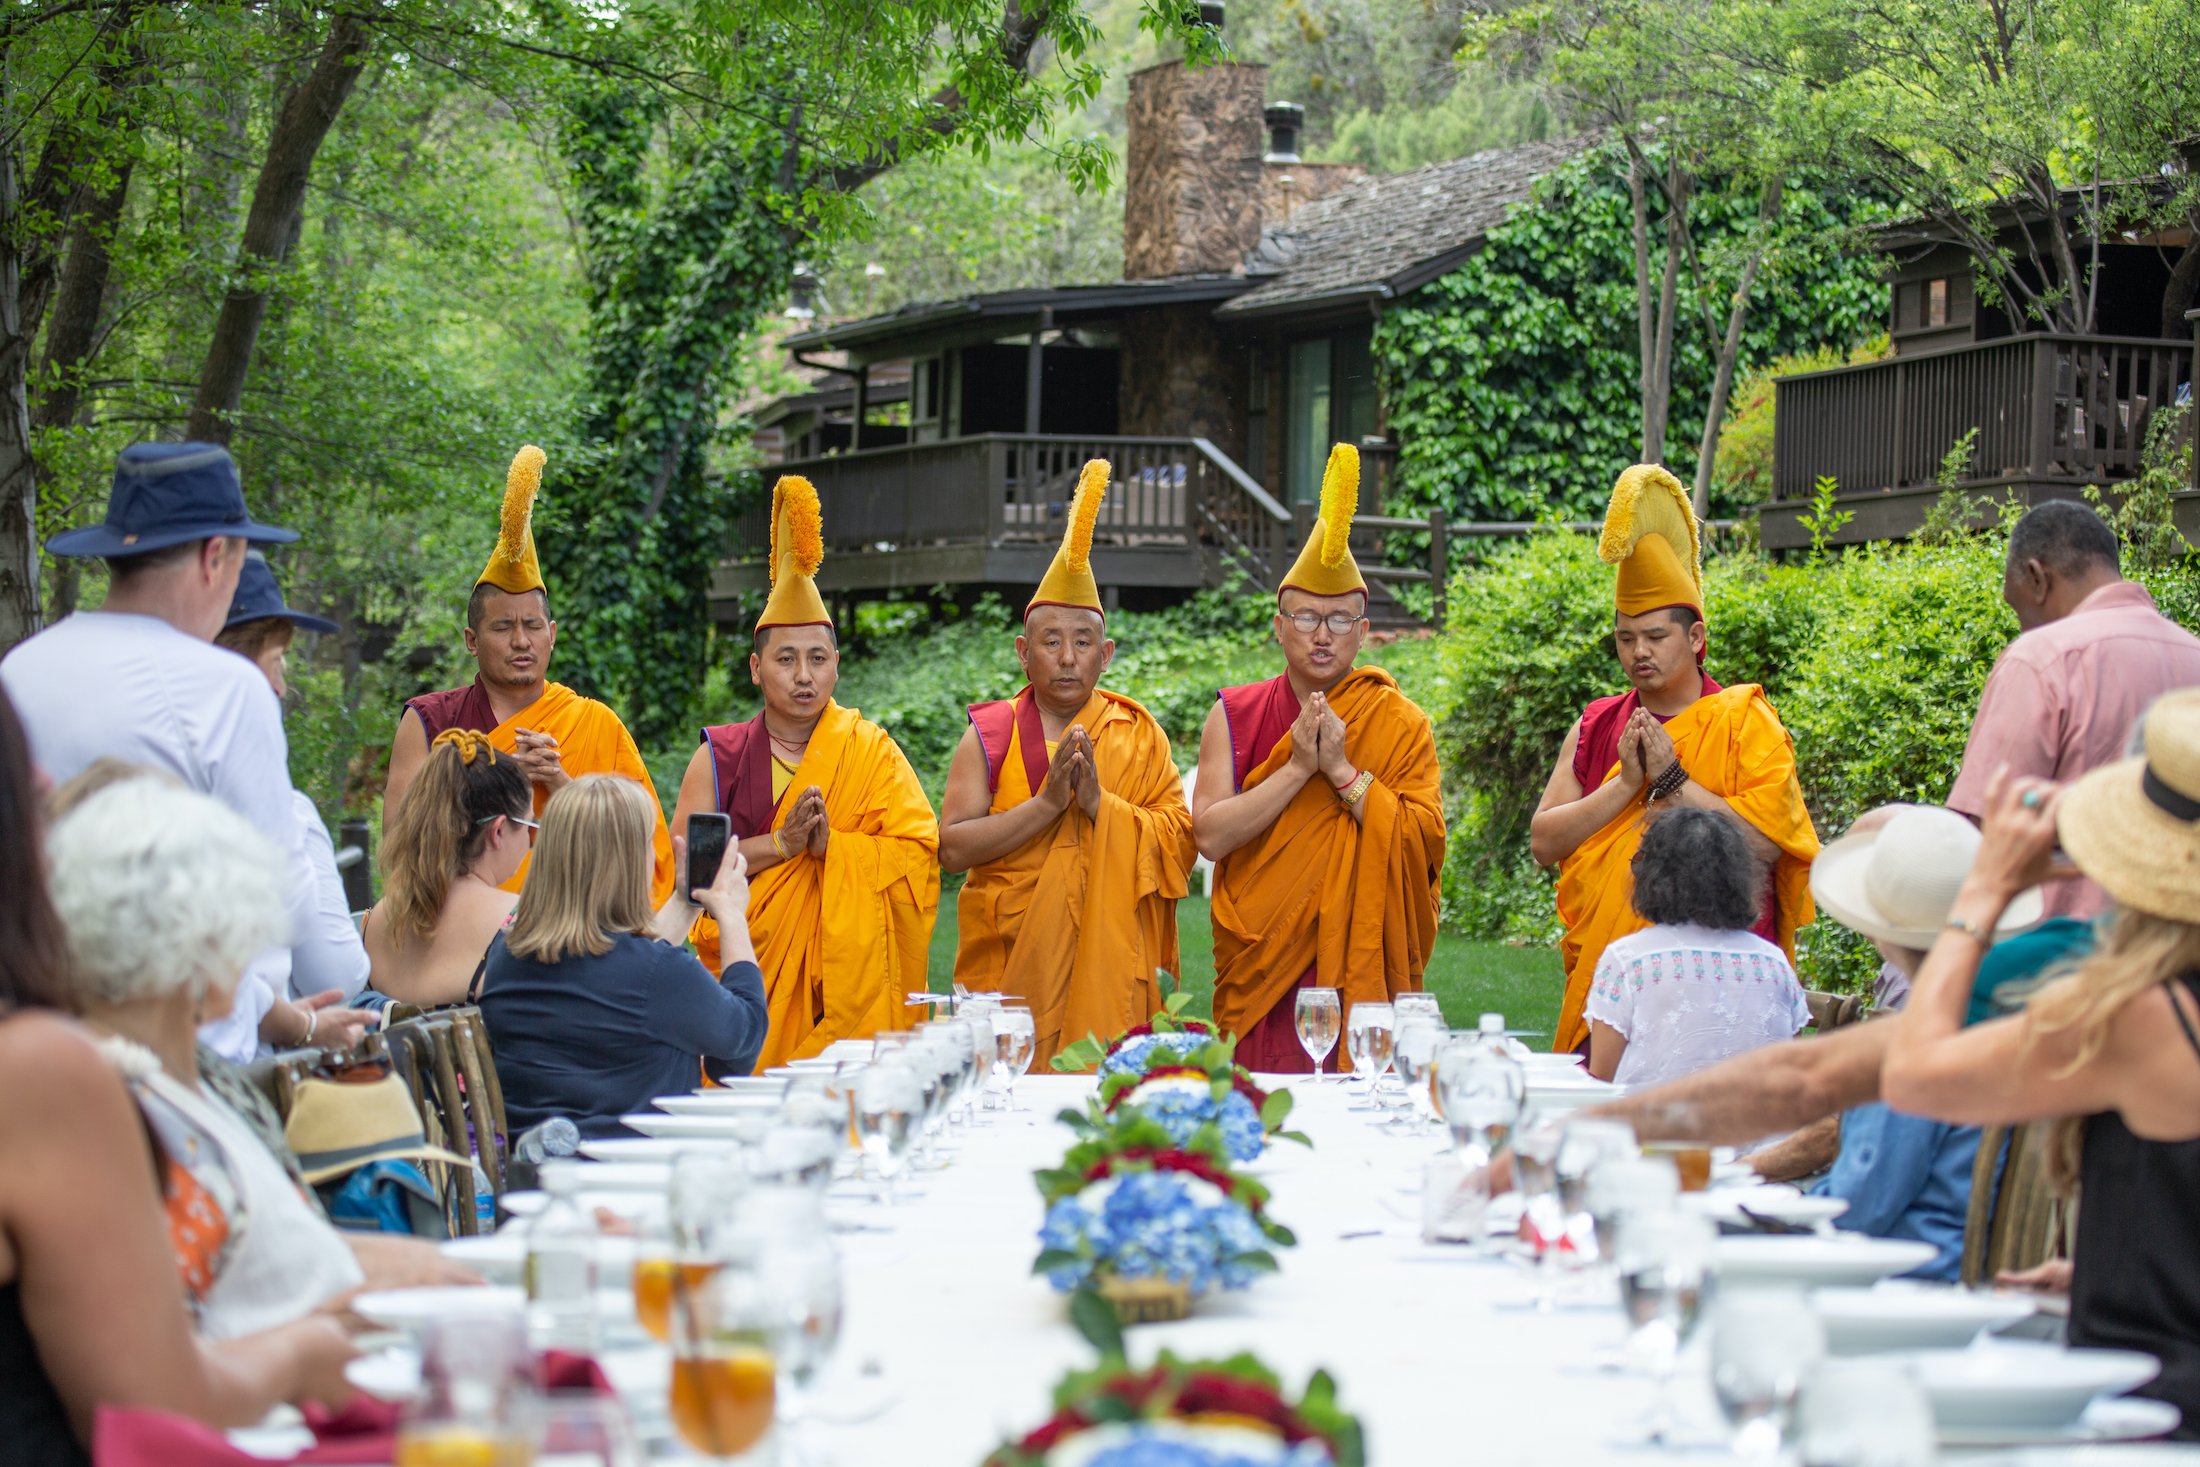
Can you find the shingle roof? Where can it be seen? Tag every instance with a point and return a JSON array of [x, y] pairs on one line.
[[1385, 235]]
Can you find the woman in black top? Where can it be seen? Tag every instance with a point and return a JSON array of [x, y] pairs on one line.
[[91, 1310], [593, 1006], [2111, 1051]]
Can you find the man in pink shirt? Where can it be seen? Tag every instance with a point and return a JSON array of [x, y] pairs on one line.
[[2091, 655]]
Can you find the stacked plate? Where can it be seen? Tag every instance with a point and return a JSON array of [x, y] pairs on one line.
[[2024, 1393], [1813, 1260], [1898, 1316]]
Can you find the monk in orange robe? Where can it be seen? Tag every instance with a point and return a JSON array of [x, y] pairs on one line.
[[1318, 802], [841, 843], [1675, 737], [556, 734], [1065, 806]]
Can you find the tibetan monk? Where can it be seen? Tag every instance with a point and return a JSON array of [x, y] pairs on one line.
[[1674, 737], [842, 845], [556, 734], [1064, 805], [1318, 802]]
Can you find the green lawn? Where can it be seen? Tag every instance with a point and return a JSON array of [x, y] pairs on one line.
[[1468, 978]]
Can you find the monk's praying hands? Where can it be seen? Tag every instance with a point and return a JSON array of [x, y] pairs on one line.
[[1335, 766], [1306, 738], [821, 827], [537, 754], [1657, 745], [1085, 774]]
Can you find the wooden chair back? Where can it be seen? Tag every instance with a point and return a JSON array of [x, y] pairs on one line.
[[1831, 1011], [2015, 1217]]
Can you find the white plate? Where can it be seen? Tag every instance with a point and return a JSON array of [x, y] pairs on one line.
[[745, 1085], [639, 1148], [816, 1064], [1843, 1258], [719, 1103], [1771, 1199], [412, 1309], [622, 1204], [502, 1257], [2022, 1384], [1898, 1316], [623, 1176], [386, 1375], [723, 1126], [2129, 1454], [1539, 1065], [2113, 1419]]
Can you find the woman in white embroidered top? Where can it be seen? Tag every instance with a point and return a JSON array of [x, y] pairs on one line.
[[1697, 986], [165, 895]]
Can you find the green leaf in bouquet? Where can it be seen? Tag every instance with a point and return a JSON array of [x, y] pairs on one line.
[[1277, 1232], [1299, 1136], [1319, 1408], [1083, 1055], [1274, 1110], [1095, 1320], [1050, 1259], [1258, 1262], [1176, 1003]]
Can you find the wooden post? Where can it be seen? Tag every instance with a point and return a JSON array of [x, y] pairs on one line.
[[1033, 365], [2044, 411], [1439, 562], [863, 406]]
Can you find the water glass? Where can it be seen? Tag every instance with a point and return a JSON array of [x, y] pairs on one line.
[[1585, 1143], [1482, 1089], [1764, 1344], [1367, 1034], [577, 1427], [1014, 1038], [1413, 1052], [1320, 1017], [1862, 1413], [1621, 1188], [889, 1114], [476, 1398]]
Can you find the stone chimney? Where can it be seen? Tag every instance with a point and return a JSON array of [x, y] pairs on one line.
[[1192, 187]]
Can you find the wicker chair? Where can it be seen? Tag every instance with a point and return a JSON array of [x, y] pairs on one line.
[[1830, 1011], [2015, 1218]]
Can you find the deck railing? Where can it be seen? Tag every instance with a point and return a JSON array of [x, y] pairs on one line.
[[2048, 407]]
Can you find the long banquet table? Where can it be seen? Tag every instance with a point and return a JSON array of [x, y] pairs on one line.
[[1439, 1352]]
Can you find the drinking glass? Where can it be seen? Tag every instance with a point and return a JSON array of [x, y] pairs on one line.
[[1535, 1176], [1319, 1016], [1861, 1413], [803, 1273], [889, 1113], [726, 1341], [1665, 1262], [1014, 1038], [1367, 1035], [476, 1395], [977, 1028], [1585, 1143], [666, 1258], [576, 1427], [1413, 1053], [1764, 1345], [1621, 1188], [1482, 1089]]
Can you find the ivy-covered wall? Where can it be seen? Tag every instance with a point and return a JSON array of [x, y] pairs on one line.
[[1511, 383]]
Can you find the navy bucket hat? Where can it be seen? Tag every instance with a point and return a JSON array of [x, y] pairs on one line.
[[259, 596], [166, 494]]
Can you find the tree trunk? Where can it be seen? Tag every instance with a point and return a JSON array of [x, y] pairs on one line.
[[1658, 407], [18, 475], [302, 125], [75, 325], [1730, 349], [1646, 329]]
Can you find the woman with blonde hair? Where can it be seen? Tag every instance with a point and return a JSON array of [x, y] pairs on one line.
[[2110, 1050], [452, 845], [594, 1007]]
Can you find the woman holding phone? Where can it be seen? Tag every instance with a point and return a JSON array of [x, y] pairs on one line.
[[593, 1006]]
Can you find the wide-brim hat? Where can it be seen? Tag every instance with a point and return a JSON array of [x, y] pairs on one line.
[[260, 596], [336, 1127], [2134, 826], [1898, 881], [168, 494]]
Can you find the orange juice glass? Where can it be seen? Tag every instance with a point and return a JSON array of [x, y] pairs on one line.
[[722, 1401], [656, 1283], [446, 1445]]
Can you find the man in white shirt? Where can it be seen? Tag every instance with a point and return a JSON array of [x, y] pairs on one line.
[[139, 680]]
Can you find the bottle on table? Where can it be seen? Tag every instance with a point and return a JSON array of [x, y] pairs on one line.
[[561, 1266]]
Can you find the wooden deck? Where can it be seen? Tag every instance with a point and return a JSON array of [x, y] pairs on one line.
[[2054, 413], [987, 512]]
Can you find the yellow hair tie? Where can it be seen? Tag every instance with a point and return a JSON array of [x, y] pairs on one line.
[[467, 742]]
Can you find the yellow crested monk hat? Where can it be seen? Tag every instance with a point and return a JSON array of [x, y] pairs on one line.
[[512, 565], [797, 550], [1326, 567], [1068, 581], [1650, 533]]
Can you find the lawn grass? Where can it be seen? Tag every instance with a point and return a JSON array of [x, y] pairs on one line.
[[1469, 978]]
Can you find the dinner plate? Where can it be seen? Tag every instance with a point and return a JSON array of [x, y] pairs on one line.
[[1768, 1199], [2111, 1419], [1898, 1316], [1839, 1258], [386, 1375], [631, 1205], [502, 1257], [622, 1176], [745, 1084], [2127, 1454], [720, 1103], [656, 1149], [2022, 1384], [725, 1125], [413, 1309]]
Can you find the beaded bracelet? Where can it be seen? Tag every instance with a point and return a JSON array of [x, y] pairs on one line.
[[1356, 791], [1668, 784]]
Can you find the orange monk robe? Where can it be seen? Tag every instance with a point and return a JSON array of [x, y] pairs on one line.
[[842, 940], [1353, 902], [1733, 744], [591, 740], [1077, 920]]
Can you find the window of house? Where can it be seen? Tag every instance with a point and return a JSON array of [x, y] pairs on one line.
[[1936, 302], [1331, 398]]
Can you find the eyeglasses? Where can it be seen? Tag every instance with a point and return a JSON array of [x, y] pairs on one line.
[[531, 826], [1338, 622]]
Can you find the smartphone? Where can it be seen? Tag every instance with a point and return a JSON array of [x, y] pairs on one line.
[[708, 837]]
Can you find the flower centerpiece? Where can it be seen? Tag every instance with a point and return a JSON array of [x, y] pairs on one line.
[[1189, 1413], [1149, 1222], [1207, 1087], [1168, 1038]]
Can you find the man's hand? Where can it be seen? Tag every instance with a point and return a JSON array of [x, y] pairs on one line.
[[537, 756], [1335, 766], [799, 831], [332, 1026], [1631, 777], [1087, 772], [821, 827], [1060, 785], [2051, 1277], [1306, 737], [1655, 743]]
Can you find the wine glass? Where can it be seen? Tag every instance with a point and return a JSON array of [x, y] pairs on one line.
[[1483, 1089], [889, 1113], [977, 1029], [1319, 1016], [804, 1277], [1419, 1003], [1764, 1345], [725, 1362], [1621, 1188], [1585, 1143], [475, 1395], [1535, 1174], [1413, 1051], [1014, 1037], [572, 1428], [1862, 1413], [1665, 1260], [1367, 1034]]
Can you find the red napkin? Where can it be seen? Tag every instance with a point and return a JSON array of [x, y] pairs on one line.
[[364, 1431]]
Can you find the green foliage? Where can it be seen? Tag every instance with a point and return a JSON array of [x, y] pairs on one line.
[[2143, 512], [1511, 381], [1480, 111], [1957, 512], [1743, 473], [1823, 520]]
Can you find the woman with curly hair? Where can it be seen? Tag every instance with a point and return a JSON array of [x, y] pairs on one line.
[[1697, 985]]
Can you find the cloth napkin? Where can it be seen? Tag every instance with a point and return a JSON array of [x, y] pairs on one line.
[[364, 1431]]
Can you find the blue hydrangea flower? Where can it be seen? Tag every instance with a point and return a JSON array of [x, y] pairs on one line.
[[1181, 1112], [1138, 1055], [1153, 1225], [1175, 1444]]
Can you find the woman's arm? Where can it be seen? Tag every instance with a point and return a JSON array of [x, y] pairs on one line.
[[1606, 1046], [80, 1207]]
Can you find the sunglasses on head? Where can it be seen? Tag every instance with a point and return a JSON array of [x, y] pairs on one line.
[[531, 826]]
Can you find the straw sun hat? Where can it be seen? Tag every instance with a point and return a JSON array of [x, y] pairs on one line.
[[1897, 881], [2134, 826], [337, 1127]]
